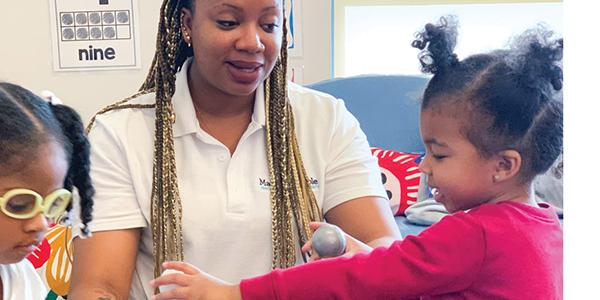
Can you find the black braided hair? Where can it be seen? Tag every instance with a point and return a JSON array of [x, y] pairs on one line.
[[78, 175], [28, 122], [507, 98]]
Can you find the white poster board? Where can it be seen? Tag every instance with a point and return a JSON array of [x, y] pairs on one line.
[[94, 34]]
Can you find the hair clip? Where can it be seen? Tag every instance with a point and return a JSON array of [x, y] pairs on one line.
[[50, 97]]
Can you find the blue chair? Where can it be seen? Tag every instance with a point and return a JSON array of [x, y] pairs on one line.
[[387, 108]]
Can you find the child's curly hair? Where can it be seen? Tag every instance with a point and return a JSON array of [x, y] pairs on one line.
[[507, 99]]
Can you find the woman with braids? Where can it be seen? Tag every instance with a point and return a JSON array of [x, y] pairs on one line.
[[219, 162], [44, 154], [490, 123]]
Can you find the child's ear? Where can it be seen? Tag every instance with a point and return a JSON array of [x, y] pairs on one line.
[[507, 166]]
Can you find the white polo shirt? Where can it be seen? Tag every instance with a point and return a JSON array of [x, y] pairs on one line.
[[225, 199]]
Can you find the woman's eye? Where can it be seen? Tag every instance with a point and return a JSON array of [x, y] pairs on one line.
[[439, 157], [270, 27], [226, 24]]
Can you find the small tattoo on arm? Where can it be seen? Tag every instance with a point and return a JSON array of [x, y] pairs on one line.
[[104, 295]]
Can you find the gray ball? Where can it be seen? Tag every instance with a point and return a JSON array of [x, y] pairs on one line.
[[329, 241]]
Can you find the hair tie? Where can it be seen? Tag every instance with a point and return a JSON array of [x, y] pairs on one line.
[[85, 231], [49, 97]]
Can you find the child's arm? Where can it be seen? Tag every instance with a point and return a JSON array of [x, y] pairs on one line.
[[445, 258]]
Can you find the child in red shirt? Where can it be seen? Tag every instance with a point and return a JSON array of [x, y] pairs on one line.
[[490, 123]]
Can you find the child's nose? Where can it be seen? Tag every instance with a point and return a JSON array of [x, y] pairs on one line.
[[38, 223], [424, 165]]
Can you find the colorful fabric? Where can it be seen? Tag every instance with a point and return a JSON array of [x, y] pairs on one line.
[[400, 175], [52, 261]]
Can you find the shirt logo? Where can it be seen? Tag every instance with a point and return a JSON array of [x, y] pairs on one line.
[[314, 183], [265, 185]]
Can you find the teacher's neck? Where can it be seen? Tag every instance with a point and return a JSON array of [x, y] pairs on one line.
[[213, 101]]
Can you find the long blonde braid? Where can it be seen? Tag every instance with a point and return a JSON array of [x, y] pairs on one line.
[[292, 199], [291, 195], [166, 214]]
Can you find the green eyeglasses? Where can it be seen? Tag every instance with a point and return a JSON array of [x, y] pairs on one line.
[[25, 203]]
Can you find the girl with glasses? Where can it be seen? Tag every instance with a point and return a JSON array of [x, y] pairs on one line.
[[44, 154]]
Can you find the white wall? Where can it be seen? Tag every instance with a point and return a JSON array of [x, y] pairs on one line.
[[316, 39], [26, 53]]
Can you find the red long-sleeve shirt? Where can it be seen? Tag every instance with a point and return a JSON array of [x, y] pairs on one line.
[[495, 251]]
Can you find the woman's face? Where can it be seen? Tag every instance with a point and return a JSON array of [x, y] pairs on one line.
[[236, 43], [43, 174]]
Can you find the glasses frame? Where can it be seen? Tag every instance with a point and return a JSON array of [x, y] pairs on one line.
[[42, 204]]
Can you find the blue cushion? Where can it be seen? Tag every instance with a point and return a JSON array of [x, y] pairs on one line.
[[387, 107]]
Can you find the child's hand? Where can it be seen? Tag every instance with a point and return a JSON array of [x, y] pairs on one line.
[[353, 245], [194, 284]]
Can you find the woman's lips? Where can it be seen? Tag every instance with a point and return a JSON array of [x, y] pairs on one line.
[[244, 72]]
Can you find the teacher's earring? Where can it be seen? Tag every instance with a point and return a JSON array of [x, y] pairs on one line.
[[496, 178], [187, 39]]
